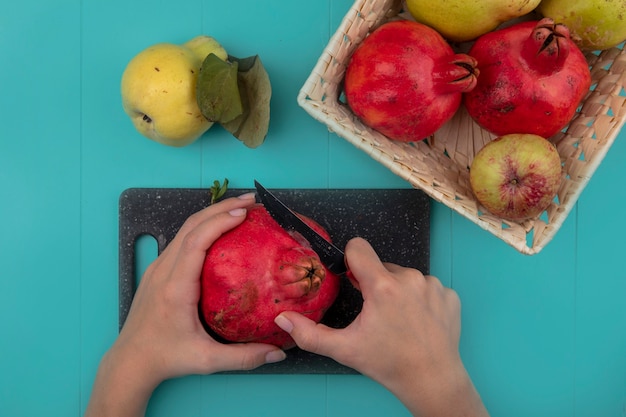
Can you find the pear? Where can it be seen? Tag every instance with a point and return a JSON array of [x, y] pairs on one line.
[[598, 24], [461, 20], [158, 90]]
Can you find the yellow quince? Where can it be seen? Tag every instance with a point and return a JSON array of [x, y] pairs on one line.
[[158, 90]]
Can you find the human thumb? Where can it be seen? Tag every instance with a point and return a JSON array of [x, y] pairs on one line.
[[308, 335], [241, 356]]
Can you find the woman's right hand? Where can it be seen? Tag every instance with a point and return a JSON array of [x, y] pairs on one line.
[[406, 336]]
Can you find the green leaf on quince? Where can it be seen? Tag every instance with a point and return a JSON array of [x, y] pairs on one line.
[[255, 92], [217, 90]]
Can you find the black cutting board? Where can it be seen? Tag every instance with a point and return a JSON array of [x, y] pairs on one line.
[[395, 221]]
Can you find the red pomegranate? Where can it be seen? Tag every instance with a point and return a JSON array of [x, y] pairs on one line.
[[532, 79], [405, 81], [256, 271]]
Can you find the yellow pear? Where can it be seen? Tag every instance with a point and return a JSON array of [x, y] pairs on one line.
[[461, 20], [598, 24], [159, 90]]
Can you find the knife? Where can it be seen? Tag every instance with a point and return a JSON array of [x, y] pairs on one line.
[[330, 255]]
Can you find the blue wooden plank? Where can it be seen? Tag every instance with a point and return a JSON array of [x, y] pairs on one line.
[[600, 316], [116, 157], [264, 395], [517, 320], [40, 183], [441, 260], [356, 395]]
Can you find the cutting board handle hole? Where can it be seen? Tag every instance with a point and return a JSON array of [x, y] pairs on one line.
[[146, 251]]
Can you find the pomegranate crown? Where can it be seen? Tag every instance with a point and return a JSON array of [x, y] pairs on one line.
[[548, 46], [457, 74]]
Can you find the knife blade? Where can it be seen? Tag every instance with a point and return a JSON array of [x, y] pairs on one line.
[[330, 255]]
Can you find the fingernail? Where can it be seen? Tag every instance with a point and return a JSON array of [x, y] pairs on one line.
[[284, 323], [237, 212], [247, 196], [275, 356]]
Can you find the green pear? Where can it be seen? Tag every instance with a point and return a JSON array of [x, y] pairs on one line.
[[159, 90], [599, 24], [461, 20]]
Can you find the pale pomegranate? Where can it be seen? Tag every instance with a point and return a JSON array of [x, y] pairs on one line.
[[532, 79], [256, 271], [405, 81]]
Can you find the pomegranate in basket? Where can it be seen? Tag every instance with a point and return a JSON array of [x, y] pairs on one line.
[[405, 81], [532, 79]]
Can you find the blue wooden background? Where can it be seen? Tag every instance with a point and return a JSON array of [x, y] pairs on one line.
[[542, 335]]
